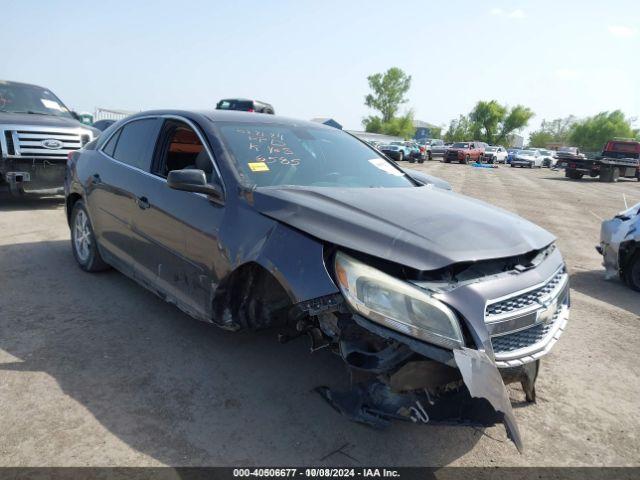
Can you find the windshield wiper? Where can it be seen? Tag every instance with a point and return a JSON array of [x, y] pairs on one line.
[[31, 112]]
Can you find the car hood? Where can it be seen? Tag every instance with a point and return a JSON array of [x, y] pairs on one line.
[[425, 228], [35, 119], [526, 157]]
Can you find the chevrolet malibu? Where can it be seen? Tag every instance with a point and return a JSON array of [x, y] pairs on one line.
[[252, 222]]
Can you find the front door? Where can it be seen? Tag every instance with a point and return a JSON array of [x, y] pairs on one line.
[[179, 229]]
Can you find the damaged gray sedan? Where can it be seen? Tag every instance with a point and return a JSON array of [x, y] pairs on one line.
[[433, 300], [619, 242]]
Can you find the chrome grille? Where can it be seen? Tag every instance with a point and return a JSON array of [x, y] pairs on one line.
[[527, 299], [524, 338], [30, 141]]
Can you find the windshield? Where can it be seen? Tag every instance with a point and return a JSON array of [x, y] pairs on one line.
[[527, 152], [491, 149], [567, 149], [460, 145], [16, 98], [266, 154]]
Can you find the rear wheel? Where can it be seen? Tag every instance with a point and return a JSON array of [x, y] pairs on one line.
[[573, 174], [83, 241]]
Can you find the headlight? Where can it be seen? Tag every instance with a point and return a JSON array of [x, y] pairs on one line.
[[396, 304]]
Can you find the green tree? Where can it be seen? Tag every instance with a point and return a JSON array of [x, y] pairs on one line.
[[590, 134], [435, 132], [485, 120], [388, 92], [459, 130], [397, 126], [490, 122], [516, 118], [554, 131]]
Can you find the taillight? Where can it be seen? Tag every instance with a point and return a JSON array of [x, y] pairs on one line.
[[250, 110]]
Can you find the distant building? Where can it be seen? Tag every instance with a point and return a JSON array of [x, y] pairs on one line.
[[424, 130], [327, 121], [110, 114], [516, 141]]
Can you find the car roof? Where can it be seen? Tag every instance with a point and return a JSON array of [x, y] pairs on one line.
[[235, 116]]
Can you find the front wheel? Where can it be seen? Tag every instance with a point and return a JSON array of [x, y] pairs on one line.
[[631, 272], [83, 241]]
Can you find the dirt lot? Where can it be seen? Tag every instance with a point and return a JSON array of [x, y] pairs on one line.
[[96, 371]]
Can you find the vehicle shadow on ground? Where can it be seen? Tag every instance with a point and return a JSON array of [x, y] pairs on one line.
[[613, 291], [588, 179], [180, 391], [9, 203]]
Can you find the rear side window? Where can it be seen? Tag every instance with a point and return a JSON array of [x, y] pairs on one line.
[[110, 146], [133, 140]]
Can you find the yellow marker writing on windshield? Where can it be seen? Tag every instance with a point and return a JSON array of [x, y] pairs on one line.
[[258, 166]]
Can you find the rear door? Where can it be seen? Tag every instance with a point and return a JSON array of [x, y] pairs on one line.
[[111, 199], [180, 230]]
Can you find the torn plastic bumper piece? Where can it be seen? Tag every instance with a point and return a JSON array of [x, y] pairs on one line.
[[484, 402]]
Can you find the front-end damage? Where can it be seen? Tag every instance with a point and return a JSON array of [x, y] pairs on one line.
[[396, 376], [619, 238]]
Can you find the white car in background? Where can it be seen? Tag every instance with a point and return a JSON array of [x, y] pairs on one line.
[[549, 158], [495, 154], [528, 158]]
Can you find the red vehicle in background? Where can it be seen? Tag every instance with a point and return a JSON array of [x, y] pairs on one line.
[[465, 152], [620, 158]]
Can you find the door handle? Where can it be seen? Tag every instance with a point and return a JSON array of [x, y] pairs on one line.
[[143, 203], [96, 179]]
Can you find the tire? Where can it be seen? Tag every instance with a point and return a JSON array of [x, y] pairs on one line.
[[466, 159], [631, 272], [572, 174], [429, 156], [606, 176], [512, 165], [83, 241], [401, 156], [412, 160]]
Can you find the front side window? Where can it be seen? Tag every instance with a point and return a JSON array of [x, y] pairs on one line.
[[180, 148], [264, 154], [132, 143]]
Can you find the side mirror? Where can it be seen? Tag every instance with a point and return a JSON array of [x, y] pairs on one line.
[[74, 114], [192, 180]]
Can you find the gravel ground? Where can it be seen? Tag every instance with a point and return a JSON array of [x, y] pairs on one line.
[[94, 370]]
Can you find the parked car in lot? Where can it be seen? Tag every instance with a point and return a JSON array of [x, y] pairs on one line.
[[495, 154], [511, 153], [394, 152], [250, 222], [416, 153], [619, 158], [620, 246], [549, 158], [245, 105], [37, 132], [407, 151], [527, 158], [437, 149], [465, 152]]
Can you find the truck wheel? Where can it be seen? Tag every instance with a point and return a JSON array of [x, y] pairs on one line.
[[572, 174], [83, 241], [412, 160], [606, 175], [466, 159], [631, 272]]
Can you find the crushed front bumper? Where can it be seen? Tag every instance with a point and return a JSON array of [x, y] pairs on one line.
[[511, 319]]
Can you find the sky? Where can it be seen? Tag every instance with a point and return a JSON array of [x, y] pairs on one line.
[[312, 58]]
